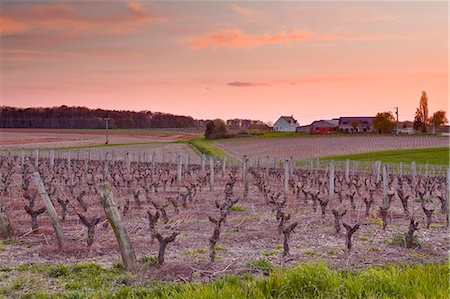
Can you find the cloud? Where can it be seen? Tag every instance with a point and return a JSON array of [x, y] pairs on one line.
[[235, 38], [63, 19], [247, 13], [246, 84]]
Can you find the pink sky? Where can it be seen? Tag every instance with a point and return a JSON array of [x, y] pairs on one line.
[[258, 60]]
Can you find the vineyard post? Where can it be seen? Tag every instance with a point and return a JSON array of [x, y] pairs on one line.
[[115, 219], [286, 178], [50, 209], [384, 184], [211, 173], [426, 169], [355, 167], [78, 154], [401, 168], [347, 170], [202, 162], [224, 163], [22, 157], [448, 194], [267, 167], [244, 175], [179, 171], [188, 162], [152, 173], [311, 165], [257, 162], [318, 164], [36, 162], [413, 174], [331, 184], [5, 225], [128, 161], [378, 171], [68, 159]]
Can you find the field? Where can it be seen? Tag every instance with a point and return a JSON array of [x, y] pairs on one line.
[[50, 138], [264, 245], [302, 148], [254, 233]]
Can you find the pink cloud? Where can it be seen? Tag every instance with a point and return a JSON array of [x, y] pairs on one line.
[[235, 38], [64, 19], [247, 13]]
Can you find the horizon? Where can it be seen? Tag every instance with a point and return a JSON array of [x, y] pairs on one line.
[[256, 60]]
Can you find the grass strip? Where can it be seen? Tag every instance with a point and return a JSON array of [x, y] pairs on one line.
[[308, 280], [436, 156]]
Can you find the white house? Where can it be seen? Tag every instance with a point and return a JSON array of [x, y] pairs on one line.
[[285, 124]]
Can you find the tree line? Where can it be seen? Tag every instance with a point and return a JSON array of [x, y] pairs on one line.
[[65, 117]]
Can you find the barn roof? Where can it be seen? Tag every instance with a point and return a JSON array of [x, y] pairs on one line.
[[368, 119]]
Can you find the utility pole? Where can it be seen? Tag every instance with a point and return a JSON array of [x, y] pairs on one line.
[[106, 119], [396, 112]]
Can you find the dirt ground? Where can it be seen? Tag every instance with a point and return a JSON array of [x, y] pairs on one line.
[[248, 235], [321, 146], [42, 138]]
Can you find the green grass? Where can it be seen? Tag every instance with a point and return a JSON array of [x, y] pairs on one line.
[[437, 156], [309, 280], [205, 146]]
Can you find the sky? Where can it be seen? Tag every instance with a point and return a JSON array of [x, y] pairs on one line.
[[223, 59]]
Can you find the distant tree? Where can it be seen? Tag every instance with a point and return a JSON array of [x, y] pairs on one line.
[[216, 129], [423, 107], [354, 124], [384, 122], [439, 118], [418, 124]]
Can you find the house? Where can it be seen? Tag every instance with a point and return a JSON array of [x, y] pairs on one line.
[[356, 124], [234, 123], [324, 126], [285, 124]]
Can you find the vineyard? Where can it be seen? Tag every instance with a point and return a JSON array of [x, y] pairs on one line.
[[217, 216], [320, 146]]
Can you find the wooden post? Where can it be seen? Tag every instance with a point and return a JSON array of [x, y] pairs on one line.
[[244, 175], [68, 159], [385, 181], [211, 173], [378, 170], [153, 167], [179, 171], [22, 157], [36, 162], [224, 162], [5, 225], [413, 174], [115, 219], [50, 209], [202, 162], [52, 158], [347, 170], [286, 178], [331, 184]]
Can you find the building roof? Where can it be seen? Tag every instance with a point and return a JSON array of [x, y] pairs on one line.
[[331, 122], [289, 119], [358, 118]]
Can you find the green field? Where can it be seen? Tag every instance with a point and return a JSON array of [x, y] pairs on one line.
[[309, 280], [437, 156]]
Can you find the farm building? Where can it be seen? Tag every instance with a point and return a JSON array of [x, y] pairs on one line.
[[303, 129], [285, 124], [324, 126], [356, 124]]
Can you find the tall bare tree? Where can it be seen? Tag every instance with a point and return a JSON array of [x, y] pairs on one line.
[[423, 107]]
